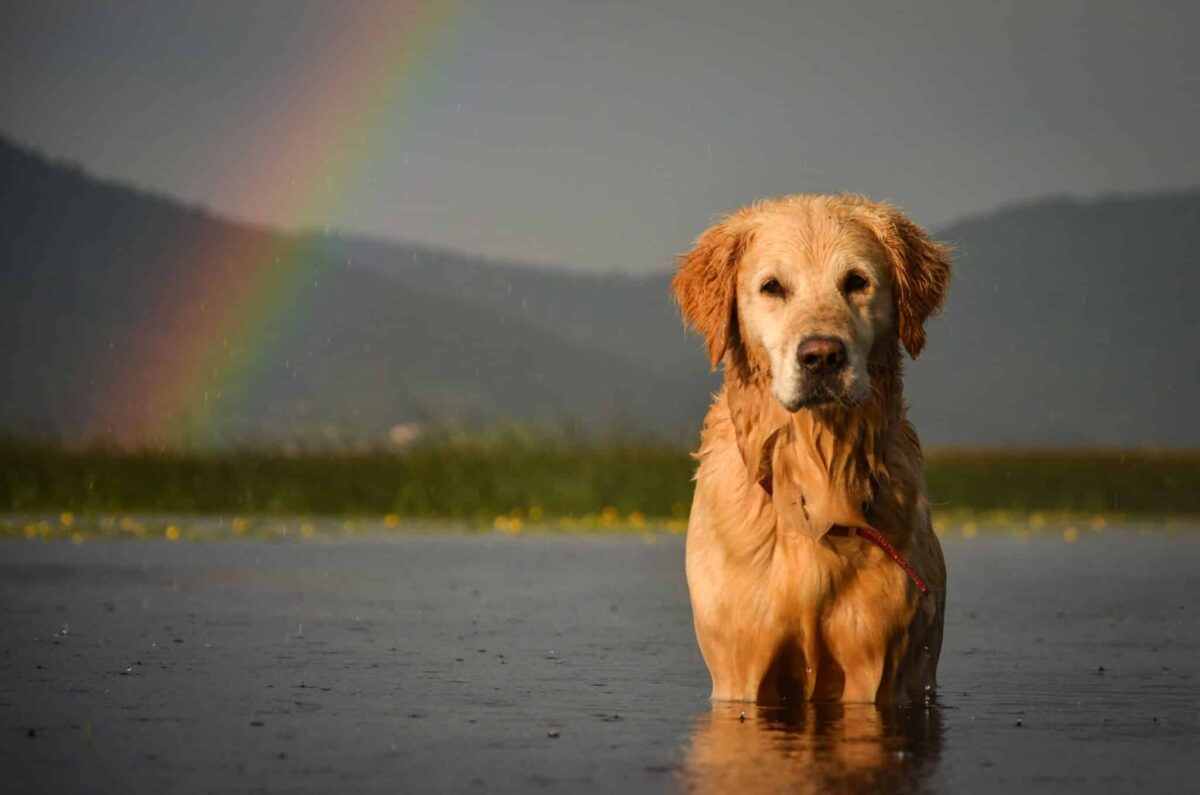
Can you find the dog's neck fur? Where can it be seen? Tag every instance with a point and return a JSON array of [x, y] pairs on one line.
[[818, 467]]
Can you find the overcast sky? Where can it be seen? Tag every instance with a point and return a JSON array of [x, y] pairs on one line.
[[603, 135]]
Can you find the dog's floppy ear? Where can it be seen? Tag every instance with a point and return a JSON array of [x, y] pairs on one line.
[[920, 269], [705, 284]]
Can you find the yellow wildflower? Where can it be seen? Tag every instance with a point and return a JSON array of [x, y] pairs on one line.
[[507, 524]]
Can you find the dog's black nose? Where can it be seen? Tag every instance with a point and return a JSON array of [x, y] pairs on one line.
[[822, 355]]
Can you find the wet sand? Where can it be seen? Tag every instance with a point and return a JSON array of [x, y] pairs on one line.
[[451, 663]]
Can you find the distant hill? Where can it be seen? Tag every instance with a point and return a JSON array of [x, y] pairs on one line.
[[1068, 323], [84, 265]]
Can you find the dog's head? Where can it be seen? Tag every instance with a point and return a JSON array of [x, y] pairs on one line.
[[806, 287]]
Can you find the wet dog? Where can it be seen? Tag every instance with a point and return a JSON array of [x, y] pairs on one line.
[[813, 569]]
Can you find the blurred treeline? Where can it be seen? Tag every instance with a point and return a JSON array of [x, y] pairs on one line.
[[477, 479]]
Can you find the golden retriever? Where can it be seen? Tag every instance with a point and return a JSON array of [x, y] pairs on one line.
[[813, 569]]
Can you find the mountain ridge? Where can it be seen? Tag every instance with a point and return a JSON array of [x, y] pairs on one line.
[[1067, 323]]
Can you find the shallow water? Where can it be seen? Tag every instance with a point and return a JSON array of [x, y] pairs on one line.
[[452, 662]]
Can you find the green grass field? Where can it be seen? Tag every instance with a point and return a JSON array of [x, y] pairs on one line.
[[484, 481]]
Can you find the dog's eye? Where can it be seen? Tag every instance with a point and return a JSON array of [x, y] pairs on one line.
[[771, 287], [855, 282]]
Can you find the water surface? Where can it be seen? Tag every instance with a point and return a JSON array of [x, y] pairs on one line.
[[455, 662]]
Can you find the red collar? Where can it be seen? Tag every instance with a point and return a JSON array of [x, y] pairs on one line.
[[871, 534], [877, 538]]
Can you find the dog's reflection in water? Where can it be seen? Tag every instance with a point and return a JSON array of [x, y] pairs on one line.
[[746, 748]]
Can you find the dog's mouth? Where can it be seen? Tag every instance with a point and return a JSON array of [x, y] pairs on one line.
[[824, 393]]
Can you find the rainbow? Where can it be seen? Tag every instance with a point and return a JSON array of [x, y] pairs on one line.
[[236, 301]]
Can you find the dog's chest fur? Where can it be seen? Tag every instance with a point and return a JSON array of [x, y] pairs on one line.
[[781, 611]]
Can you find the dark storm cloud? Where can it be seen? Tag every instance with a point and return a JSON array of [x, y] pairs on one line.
[[604, 136]]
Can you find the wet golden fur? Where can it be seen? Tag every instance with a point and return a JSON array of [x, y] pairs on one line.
[[783, 611]]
